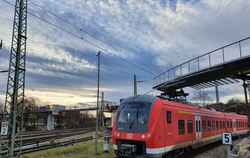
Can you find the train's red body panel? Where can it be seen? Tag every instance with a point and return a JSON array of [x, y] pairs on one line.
[[169, 126]]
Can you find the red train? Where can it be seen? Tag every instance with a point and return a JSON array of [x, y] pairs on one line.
[[147, 126]]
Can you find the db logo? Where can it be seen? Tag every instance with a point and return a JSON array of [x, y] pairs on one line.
[[130, 135]]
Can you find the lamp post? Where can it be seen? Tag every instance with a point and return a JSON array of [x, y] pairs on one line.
[[135, 84], [97, 104]]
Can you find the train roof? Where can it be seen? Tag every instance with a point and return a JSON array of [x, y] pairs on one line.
[[188, 107], [145, 98], [202, 110]]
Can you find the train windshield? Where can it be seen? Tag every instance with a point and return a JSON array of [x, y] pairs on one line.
[[134, 113]]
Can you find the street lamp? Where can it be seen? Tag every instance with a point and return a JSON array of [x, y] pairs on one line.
[[135, 84]]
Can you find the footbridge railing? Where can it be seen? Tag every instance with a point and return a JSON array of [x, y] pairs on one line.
[[234, 51]]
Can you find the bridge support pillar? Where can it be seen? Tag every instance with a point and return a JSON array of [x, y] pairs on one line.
[[245, 86], [51, 122]]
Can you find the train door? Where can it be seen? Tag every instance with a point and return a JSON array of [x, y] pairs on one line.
[[198, 128], [234, 125], [169, 127]]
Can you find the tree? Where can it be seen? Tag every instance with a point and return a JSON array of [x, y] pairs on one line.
[[30, 110], [234, 101], [202, 96]]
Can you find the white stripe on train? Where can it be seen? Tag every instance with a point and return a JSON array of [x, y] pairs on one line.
[[172, 147]]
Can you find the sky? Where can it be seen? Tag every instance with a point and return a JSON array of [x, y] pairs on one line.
[[142, 37]]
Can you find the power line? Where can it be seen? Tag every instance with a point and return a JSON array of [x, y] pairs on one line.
[[90, 43], [79, 28], [149, 91]]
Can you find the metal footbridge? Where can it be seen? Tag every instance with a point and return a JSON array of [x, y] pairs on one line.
[[225, 65]]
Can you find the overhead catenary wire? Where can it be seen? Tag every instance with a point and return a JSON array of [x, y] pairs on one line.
[[149, 91], [76, 26], [89, 42], [81, 29]]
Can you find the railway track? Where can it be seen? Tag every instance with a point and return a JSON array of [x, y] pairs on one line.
[[58, 144], [29, 139], [39, 133], [48, 146], [44, 138]]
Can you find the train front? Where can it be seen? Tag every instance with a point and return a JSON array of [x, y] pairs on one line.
[[130, 133]]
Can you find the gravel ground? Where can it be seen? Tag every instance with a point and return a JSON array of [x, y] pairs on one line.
[[241, 147]]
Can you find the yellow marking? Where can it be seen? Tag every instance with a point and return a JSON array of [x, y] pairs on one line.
[[185, 112]]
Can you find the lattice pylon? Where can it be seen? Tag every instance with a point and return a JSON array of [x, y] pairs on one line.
[[13, 109]]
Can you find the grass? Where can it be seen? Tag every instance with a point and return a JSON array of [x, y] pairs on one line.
[[78, 150]]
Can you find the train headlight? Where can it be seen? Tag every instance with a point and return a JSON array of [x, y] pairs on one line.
[[118, 134], [149, 135], [143, 136]]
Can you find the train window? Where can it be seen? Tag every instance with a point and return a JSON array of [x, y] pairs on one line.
[[204, 126], [231, 124], [213, 126], [181, 126], [169, 116], [217, 125], [237, 124], [221, 125], [190, 126], [134, 113], [228, 125], [209, 125]]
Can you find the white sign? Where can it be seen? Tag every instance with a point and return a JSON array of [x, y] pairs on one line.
[[227, 138], [51, 122], [4, 128]]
